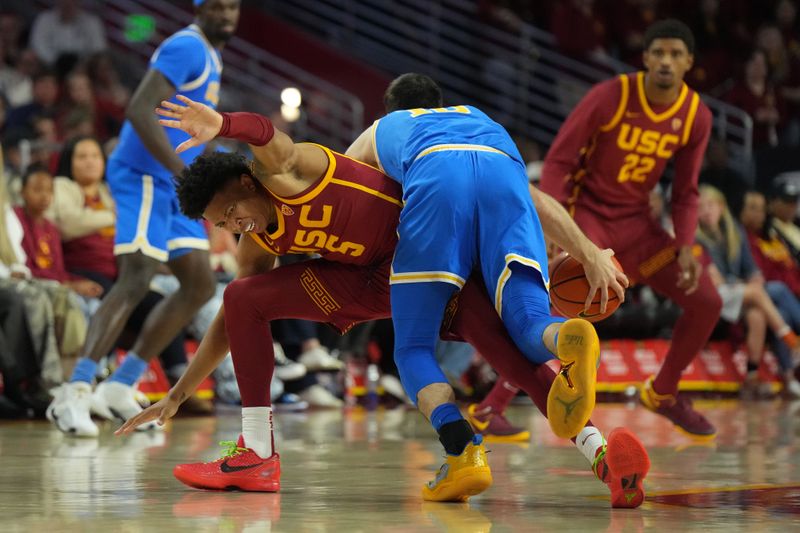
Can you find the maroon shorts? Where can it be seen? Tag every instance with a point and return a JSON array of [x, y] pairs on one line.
[[335, 293]]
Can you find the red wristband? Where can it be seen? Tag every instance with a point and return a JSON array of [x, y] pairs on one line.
[[251, 128]]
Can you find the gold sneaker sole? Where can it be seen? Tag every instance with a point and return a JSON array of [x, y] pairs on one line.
[[572, 396]]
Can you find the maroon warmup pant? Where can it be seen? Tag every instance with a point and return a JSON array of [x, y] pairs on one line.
[[343, 295], [648, 255]]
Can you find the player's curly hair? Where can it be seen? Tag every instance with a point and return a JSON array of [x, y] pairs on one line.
[[412, 90], [205, 177], [669, 29]]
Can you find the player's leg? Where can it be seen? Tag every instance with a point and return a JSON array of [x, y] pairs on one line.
[[514, 267], [417, 310], [186, 245], [653, 263], [315, 290], [471, 317], [142, 205], [488, 417], [435, 253], [176, 311]]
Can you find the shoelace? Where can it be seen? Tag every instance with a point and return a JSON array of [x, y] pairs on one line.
[[232, 449], [597, 461]]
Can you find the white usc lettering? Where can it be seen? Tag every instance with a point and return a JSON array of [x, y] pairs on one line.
[[646, 142], [318, 239]]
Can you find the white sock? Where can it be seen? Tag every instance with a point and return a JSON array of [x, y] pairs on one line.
[[257, 430], [588, 441]]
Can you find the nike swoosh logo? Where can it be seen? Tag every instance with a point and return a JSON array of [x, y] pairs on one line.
[[225, 467], [585, 439]]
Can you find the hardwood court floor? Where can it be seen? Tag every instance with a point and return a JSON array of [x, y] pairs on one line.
[[360, 471]]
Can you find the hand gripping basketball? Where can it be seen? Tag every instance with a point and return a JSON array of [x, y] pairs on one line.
[[570, 288]]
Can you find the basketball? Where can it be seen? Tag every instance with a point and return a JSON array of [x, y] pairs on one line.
[[569, 288]]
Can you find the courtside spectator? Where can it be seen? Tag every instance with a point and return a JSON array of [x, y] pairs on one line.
[[67, 29]]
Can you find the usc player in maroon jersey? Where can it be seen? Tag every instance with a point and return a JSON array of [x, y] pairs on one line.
[[607, 157]]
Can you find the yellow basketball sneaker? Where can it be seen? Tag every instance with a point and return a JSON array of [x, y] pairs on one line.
[[461, 476], [572, 394]]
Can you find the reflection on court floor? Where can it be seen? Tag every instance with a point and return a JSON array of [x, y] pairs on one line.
[[362, 471]]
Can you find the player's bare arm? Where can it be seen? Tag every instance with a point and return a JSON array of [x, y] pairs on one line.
[[559, 227], [280, 165], [363, 148], [213, 348], [153, 89]]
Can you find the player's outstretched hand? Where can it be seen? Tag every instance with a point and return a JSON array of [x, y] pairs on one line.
[[196, 119], [602, 275], [689, 276], [162, 410]]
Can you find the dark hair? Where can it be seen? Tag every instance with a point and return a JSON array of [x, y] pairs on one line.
[[35, 168], [64, 167], [410, 91], [669, 29], [205, 177]]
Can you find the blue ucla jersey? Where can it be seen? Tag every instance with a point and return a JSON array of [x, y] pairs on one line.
[[403, 136], [194, 67]]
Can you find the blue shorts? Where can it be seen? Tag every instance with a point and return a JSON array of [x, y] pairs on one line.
[[149, 219], [465, 209]]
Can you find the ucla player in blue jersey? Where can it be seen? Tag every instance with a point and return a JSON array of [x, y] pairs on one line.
[[467, 206], [150, 229]]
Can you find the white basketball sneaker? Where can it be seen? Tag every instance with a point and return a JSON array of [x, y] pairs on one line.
[[285, 368], [319, 360], [116, 401], [69, 410]]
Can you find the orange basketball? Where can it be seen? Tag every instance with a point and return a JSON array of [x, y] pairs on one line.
[[569, 289]]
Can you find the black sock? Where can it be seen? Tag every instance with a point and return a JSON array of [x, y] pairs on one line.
[[455, 436], [751, 366]]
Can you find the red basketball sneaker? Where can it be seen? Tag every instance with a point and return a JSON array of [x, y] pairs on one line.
[[622, 463], [239, 468]]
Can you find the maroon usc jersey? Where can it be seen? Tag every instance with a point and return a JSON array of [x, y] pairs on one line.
[[348, 216], [613, 148]]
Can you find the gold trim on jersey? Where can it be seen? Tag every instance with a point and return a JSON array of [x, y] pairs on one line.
[[459, 147], [657, 261], [364, 188], [506, 273], [687, 131], [646, 106], [262, 243], [423, 277], [623, 104], [316, 189]]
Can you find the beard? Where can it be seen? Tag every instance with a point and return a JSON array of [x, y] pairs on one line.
[[220, 35]]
